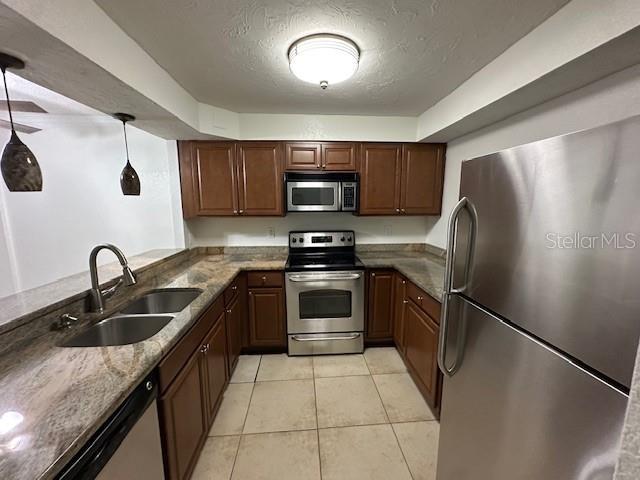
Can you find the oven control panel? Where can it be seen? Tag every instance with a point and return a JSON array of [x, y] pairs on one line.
[[322, 239]]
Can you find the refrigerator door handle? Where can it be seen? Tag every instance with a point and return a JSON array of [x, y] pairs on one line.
[[449, 290]]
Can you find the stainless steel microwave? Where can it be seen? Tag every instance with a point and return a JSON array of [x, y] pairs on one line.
[[321, 192]]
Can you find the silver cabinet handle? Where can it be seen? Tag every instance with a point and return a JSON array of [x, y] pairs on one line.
[[323, 276], [241, 211], [321, 339], [373, 274], [405, 301], [463, 204], [235, 287], [419, 298], [397, 210]]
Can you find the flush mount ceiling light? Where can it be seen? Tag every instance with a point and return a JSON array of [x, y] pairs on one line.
[[129, 180], [20, 169], [323, 59]]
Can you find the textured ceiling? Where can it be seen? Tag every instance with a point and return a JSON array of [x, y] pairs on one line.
[[232, 53]]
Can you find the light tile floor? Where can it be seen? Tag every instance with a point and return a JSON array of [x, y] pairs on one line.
[[336, 417]]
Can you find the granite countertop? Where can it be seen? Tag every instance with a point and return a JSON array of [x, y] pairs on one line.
[[65, 394], [423, 269]]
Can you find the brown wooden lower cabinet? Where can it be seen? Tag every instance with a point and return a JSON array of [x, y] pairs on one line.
[[421, 350], [193, 377], [380, 307], [399, 302], [267, 318], [184, 419], [215, 359], [233, 317]]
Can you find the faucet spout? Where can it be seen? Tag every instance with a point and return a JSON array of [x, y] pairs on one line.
[[98, 296]]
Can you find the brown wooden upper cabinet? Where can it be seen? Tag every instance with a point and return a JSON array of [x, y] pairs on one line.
[[330, 156], [231, 178], [401, 179], [380, 166], [260, 178]]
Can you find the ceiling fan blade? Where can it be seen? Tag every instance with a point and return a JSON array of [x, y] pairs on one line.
[[19, 127], [23, 106]]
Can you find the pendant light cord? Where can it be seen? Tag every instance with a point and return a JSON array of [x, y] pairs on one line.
[[6, 91], [126, 146]]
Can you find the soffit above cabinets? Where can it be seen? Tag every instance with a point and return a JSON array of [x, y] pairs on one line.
[[233, 53]]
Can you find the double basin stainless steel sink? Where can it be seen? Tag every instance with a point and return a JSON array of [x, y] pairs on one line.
[[139, 320]]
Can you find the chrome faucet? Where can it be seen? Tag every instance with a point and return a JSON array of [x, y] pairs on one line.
[[98, 296]]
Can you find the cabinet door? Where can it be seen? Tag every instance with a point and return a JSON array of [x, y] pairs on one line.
[[339, 156], [183, 415], [380, 165], [215, 178], [302, 156], [421, 339], [422, 176], [380, 312], [399, 302], [260, 178], [215, 356], [266, 317], [233, 317]]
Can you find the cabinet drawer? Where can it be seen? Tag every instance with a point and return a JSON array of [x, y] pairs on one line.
[[425, 301], [171, 365], [265, 279], [232, 290]]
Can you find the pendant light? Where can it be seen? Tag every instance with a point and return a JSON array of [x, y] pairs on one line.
[[20, 169], [129, 180]]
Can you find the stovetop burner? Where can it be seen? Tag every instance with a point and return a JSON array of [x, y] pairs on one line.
[[325, 251]]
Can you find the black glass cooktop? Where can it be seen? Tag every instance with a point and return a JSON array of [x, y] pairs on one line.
[[305, 262]]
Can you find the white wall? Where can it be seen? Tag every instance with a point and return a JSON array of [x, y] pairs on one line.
[[255, 231], [611, 99], [48, 235]]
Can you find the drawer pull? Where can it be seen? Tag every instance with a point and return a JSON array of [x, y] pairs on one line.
[[322, 339]]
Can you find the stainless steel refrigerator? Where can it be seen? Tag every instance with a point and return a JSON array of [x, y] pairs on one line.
[[541, 316]]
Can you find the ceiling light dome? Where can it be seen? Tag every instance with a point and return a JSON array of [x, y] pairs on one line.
[[323, 59]]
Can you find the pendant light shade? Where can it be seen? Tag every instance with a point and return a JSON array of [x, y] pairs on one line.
[[129, 180], [20, 169]]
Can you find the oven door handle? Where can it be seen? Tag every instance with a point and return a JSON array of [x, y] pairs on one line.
[[324, 277], [322, 339]]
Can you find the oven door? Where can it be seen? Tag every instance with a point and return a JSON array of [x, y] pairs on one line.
[[323, 302], [313, 196]]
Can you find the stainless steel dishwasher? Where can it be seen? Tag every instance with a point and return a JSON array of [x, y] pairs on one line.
[[127, 446]]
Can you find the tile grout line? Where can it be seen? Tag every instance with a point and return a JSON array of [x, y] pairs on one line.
[[235, 457], [392, 429], [315, 399]]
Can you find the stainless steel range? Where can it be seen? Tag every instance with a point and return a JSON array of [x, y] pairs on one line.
[[325, 294]]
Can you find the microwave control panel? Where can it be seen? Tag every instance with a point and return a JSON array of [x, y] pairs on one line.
[[349, 195]]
